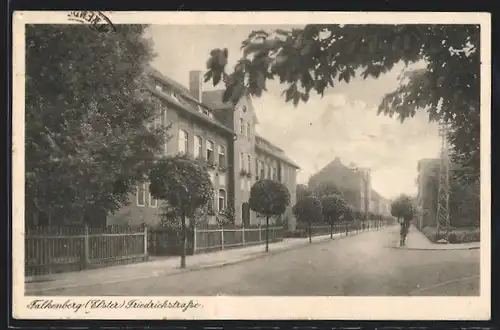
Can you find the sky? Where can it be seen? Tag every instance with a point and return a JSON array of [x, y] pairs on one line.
[[344, 123]]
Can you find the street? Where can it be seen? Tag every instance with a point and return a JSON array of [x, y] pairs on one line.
[[362, 265]]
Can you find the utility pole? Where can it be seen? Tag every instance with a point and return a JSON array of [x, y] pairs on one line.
[[443, 209]]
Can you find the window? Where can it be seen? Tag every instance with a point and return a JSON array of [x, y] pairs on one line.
[[275, 173], [183, 141], [214, 201], [242, 126], [153, 202], [158, 120], [210, 152], [222, 155], [198, 146], [141, 194], [268, 171], [248, 131], [242, 161], [222, 199], [249, 163], [262, 175], [257, 169], [164, 124]]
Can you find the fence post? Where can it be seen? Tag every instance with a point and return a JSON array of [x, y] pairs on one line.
[[243, 235], [146, 255], [85, 257], [222, 238], [194, 240]]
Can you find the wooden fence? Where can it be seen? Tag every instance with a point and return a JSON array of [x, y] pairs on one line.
[[51, 250], [219, 239], [164, 241]]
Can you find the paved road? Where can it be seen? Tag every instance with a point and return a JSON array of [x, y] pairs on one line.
[[362, 265]]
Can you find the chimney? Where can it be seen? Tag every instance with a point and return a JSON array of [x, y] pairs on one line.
[[196, 84]]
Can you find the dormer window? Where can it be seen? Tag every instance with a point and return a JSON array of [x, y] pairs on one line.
[[200, 109], [244, 108], [159, 88]]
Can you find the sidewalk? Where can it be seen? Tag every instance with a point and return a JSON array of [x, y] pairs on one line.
[[166, 266], [417, 241]]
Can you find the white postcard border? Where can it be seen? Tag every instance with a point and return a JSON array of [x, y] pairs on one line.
[[222, 307]]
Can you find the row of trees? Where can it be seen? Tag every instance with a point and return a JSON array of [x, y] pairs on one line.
[[184, 185]]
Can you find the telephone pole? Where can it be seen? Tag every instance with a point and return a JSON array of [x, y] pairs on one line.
[[443, 209]]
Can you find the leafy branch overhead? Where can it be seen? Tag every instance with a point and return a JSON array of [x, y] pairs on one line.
[[318, 56]]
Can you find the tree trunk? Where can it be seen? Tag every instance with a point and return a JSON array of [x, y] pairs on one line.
[[267, 233], [184, 242], [331, 228], [310, 235]]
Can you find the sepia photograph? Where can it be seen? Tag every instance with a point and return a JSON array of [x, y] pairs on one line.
[[260, 162]]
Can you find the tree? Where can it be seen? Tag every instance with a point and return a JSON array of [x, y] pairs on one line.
[[269, 198], [302, 191], [333, 206], [308, 210], [403, 209], [313, 57], [185, 185], [349, 216], [86, 106]]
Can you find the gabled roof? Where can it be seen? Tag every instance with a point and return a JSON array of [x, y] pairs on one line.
[[280, 154], [185, 102], [214, 100]]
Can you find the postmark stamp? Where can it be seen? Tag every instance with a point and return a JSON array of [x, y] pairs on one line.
[[96, 20]]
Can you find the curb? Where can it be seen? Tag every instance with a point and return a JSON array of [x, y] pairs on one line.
[[192, 269], [434, 249]]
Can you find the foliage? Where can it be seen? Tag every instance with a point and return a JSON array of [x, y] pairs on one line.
[[269, 198], [403, 208], [308, 210], [183, 183], [86, 107], [302, 191], [349, 214], [312, 58], [226, 217], [460, 236], [464, 202], [333, 206]]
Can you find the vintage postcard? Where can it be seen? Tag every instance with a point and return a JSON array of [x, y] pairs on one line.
[[251, 165]]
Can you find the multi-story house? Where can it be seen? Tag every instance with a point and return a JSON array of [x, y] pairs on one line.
[[272, 163], [254, 157], [221, 133], [354, 183]]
